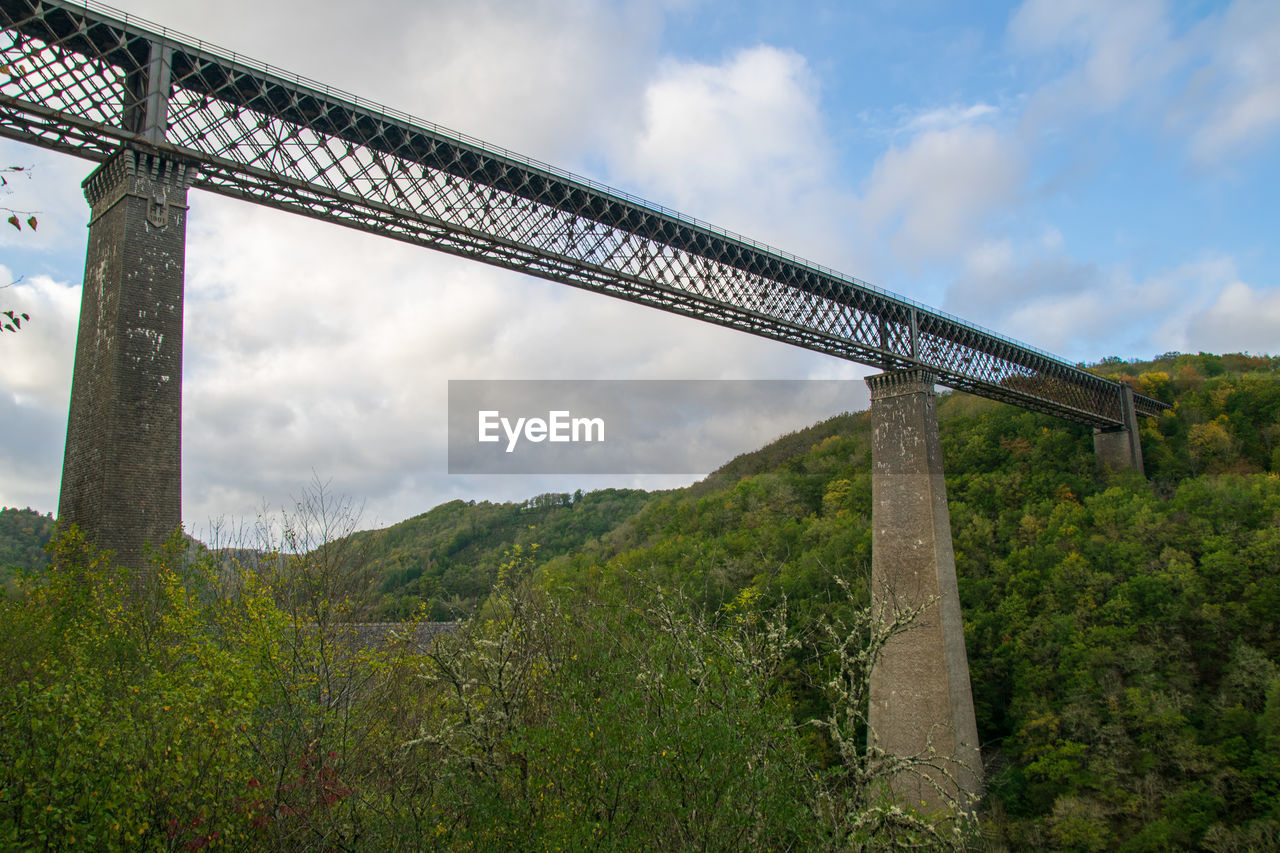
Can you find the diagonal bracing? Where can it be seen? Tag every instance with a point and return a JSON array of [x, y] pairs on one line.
[[88, 80]]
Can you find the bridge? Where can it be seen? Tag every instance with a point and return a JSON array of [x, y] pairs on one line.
[[162, 113]]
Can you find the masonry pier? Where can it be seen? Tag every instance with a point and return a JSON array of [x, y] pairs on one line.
[[121, 472], [921, 700], [1119, 447]]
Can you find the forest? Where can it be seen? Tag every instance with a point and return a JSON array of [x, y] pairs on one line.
[[682, 669]]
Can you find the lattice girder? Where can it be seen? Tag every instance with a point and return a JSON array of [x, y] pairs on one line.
[[91, 83]]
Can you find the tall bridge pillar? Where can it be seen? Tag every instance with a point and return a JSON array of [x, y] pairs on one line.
[[1120, 447], [121, 472], [921, 700]]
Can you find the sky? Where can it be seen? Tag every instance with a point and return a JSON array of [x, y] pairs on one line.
[[1095, 179]]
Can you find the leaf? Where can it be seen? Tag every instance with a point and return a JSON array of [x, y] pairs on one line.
[[31, 222], [13, 220], [10, 328], [26, 316]]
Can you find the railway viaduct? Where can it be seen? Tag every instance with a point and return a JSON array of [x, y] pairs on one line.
[[163, 114]]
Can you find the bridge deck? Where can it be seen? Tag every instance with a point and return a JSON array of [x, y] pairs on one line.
[[91, 79]]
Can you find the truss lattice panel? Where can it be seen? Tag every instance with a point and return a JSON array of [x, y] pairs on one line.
[[87, 80]]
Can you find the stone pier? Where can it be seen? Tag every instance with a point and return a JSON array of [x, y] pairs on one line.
[[1119, 447], [921, 700], [121, 472]]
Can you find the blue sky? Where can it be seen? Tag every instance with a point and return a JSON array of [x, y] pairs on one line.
[[1093, 178]]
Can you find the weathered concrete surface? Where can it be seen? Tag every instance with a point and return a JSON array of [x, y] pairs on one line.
[[921, 700], [121, 472], [1120, 448]]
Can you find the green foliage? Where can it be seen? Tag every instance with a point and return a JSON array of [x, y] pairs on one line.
[[124, 727], [449, 557], [1121, 634], [1226, 415], [24, 533], [189, 707], [595, 725], [1114, 627]]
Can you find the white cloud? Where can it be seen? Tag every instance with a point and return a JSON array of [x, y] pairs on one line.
[[946, 118], [1215, 86], [935, 195], [990, 260], [35, 369], [1232, 102], [1082, 311], [1121, 49], [315, 348], [1240, 319], [35, 381], [551, 79], [48, 187], [742, 144]]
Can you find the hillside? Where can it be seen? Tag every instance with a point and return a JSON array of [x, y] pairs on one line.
[[448, 557], [1121, 633], [23, 535]]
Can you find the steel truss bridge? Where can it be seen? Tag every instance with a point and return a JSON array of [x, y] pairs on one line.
[[87, 80]]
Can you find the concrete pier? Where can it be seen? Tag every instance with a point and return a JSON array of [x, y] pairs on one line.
[[121, 472], [921, 699]]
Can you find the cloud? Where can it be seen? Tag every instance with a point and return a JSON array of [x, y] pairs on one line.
[[551, 79], [949, 117], [1115, 49], [934, 195], [1215, 87], [35, 382], [36, 367], [312, 348], [1084, 311], [48, 187], [1232, 102], [742, 144], [1241, 319]]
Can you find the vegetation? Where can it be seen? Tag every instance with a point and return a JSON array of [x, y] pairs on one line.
[[682, 669], [191, 707], [449, 557], [24, 533]]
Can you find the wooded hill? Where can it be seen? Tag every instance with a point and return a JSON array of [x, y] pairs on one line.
[[1121, 631], [24, 533]]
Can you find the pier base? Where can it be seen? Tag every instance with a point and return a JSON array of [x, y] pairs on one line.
[[1119, 448]]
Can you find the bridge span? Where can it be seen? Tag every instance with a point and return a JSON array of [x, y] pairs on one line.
[[163, 113]]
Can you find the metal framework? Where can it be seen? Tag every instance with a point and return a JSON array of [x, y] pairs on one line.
[[86, 80]]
